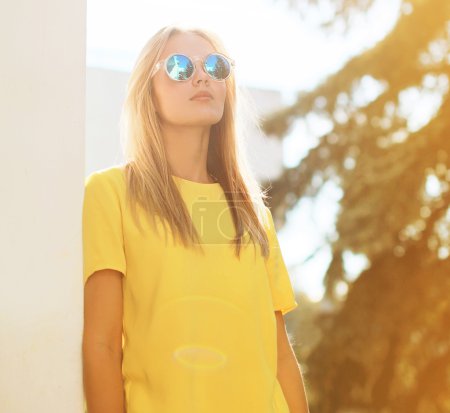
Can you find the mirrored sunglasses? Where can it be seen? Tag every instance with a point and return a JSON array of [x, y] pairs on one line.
[[180, 67]]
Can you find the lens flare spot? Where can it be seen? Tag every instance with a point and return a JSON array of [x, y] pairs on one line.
[[200, 357]]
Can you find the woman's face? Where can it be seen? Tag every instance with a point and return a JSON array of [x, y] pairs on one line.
[[173, 99]]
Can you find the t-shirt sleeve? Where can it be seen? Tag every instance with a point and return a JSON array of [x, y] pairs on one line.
[[103, 245], [283, 296]]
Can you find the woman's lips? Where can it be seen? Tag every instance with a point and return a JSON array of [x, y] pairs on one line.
[[201, 95]]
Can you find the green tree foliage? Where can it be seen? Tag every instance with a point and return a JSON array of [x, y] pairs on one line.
[[386, 346]]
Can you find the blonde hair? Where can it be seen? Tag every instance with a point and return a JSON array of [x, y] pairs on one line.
[[148, 174]]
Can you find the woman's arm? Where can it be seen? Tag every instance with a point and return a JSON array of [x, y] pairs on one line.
[[102, 343], [288, 371]]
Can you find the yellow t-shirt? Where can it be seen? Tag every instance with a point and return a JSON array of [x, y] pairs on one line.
[[199, 331]]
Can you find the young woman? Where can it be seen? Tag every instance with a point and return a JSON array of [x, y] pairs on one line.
[[185, 286]]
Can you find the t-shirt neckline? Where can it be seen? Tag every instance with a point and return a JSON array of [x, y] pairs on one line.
[[195, 184]]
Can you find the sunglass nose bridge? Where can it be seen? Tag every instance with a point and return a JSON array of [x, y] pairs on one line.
[[194, 60]]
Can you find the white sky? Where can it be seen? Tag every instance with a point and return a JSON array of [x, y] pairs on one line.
[[297, 57]]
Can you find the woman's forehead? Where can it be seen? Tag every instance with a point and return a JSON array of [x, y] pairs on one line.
[[188, 43]]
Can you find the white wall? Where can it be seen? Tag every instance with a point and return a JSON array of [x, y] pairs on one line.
[[265, 153], [105, 94], [42, 125]]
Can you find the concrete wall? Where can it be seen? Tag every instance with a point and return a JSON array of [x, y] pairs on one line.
[[42, 132]]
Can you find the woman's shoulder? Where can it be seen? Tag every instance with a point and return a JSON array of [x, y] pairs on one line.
[[111, 178]]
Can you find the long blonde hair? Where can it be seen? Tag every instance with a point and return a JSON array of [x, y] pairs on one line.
[[148, 174]]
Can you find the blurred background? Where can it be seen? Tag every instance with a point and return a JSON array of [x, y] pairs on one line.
[[354, 145]]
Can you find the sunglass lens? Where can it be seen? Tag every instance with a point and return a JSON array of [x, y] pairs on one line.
[[179, 67], [217, 67]]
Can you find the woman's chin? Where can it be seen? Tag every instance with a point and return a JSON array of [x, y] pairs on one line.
[[205, 120]]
